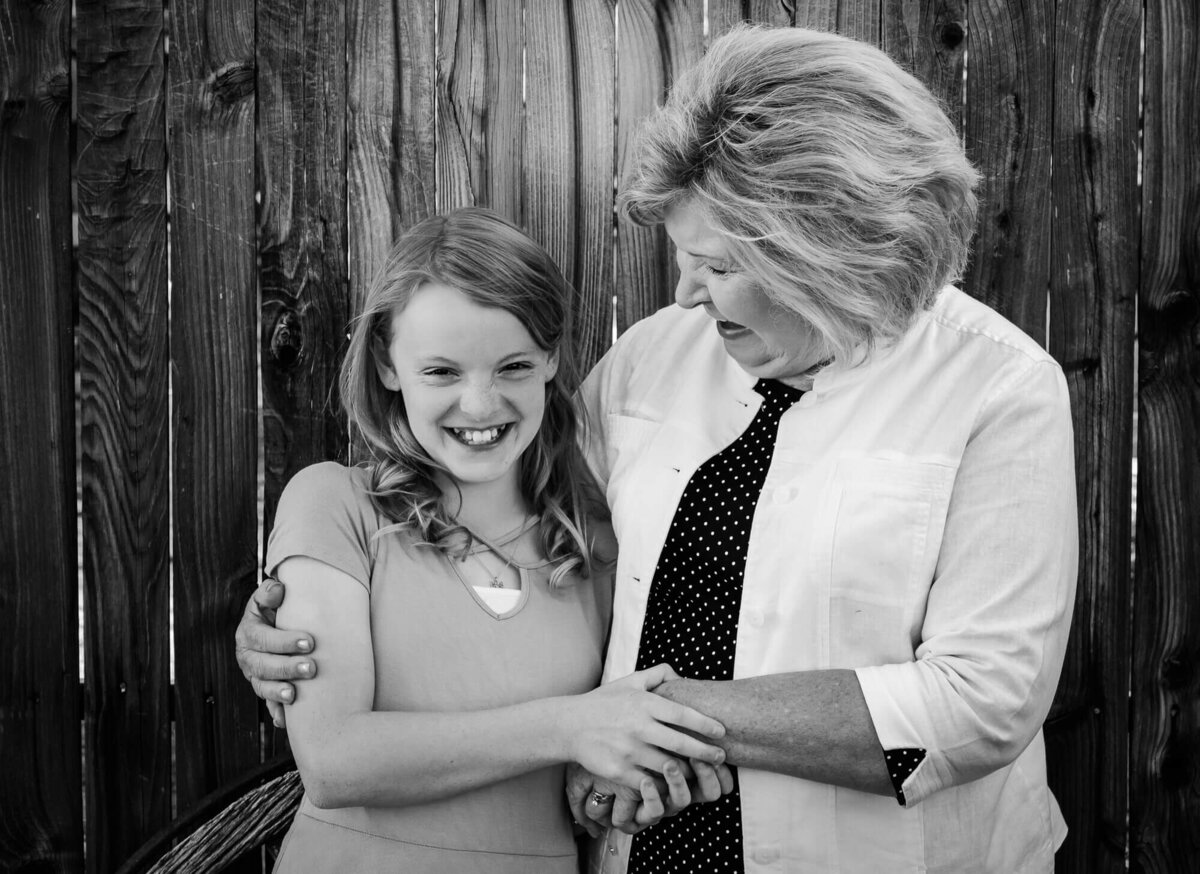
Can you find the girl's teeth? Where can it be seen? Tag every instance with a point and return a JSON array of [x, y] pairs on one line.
[[478, 437]]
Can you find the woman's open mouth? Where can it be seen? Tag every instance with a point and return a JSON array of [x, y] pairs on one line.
[[477, 437], [729, 329]]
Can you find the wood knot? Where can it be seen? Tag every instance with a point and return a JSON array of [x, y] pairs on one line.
[[287, 339], [233, 82], [952, 35]]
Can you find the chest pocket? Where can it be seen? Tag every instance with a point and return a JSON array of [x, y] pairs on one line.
[[884, 528]]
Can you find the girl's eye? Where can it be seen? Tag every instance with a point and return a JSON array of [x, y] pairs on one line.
[[518, 367], [437, 372], [716, 271]]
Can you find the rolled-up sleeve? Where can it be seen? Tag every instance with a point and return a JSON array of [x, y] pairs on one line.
[[999, 608]]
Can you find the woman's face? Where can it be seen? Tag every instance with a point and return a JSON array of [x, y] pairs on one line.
[[765, 339], [473, 381]]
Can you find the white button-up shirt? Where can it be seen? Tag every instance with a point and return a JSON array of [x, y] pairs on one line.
[[917, 524]]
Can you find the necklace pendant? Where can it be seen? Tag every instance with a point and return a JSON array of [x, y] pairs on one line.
[[496, 584]]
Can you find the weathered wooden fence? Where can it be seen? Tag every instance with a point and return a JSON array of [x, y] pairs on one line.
[[234, 173]]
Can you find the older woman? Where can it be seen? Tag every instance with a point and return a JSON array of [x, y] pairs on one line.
[[843, 491]]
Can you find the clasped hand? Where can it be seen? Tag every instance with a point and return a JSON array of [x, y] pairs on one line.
[[640, 749]]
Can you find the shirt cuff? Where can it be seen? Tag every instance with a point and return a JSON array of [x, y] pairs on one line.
[[900, 764]]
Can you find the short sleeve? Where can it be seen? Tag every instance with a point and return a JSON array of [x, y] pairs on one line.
[[325, 513]]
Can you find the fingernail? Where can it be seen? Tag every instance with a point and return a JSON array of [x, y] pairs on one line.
[[719, 757], [272, 586], [286, 695], [305, 668], [278, 724], [303, 644], [671, 769]]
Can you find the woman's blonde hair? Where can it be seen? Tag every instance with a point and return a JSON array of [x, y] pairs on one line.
[[837, 176], [496, 265]]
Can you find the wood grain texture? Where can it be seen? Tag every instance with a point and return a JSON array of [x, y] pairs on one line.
[[551, 170], [929, 39], [373, 83], [214, 326], [593, 38], [654, 42], [301, 134], [1009, 137], [817, 15], [39, 683], [724, 14], [415, 126], [480, 120], [1165, 747], [1094, 281], [122, 346]]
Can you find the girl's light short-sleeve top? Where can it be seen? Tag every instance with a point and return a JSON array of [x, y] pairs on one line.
[[439, 647]]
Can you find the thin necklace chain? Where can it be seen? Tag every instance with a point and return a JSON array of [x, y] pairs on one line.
[[492, 546]]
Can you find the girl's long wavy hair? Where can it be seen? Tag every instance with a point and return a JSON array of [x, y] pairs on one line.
[[496, 265]]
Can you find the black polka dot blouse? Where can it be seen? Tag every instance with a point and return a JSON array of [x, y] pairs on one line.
[[691, 624]]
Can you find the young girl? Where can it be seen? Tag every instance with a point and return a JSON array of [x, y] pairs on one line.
[[459, 582]]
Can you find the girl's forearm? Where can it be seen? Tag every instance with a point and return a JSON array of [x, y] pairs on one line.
[[395, 758]]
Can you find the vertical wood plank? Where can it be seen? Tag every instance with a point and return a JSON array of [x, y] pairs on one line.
[[568, 177], [39, 684], [654, 42], [373, 83], [929, 39], [301, 87], [416, 130], [480, 106], [122, 275], [214, 323], [593, 37], [1008, 134], [1094, 281], [1164, 766], [549, 180], [391, 184]]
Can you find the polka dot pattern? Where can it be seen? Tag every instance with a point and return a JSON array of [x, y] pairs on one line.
[[691, 621], [900, 764]]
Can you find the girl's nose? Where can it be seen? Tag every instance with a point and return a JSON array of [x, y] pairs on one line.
[[479, 400]]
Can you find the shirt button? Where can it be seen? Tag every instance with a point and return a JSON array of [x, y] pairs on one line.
[[754, 618]]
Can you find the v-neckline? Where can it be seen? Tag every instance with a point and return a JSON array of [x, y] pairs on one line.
[[483, 605]]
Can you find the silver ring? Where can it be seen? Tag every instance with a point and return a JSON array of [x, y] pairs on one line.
[[600, 799]]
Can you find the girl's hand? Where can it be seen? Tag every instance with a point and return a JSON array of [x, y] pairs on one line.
[[622, 730]]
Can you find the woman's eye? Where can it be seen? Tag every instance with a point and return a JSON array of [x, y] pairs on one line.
[[716, 271], [518, 367], [437, 372]]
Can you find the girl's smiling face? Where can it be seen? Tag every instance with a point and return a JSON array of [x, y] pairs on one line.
[[473, 382]]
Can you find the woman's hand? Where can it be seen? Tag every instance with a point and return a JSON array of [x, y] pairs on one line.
[[622, 730], [270, 657]]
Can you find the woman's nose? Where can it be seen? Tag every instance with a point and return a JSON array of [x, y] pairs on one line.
[[690, 291]]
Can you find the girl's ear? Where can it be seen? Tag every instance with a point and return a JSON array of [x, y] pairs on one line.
[[383, 366], [552, 365]]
